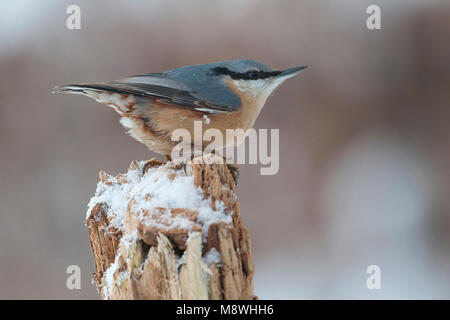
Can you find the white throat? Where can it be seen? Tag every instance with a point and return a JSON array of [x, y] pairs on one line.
[[261, 88]]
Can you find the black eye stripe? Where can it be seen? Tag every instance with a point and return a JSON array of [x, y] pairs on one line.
[[249, 75]]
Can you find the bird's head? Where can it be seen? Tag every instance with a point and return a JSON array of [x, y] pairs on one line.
[[253, 78]]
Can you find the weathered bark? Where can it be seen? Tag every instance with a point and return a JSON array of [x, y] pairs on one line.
[[143, 261]]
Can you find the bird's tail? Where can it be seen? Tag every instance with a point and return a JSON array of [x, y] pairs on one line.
[[85, 88], [111, 94]]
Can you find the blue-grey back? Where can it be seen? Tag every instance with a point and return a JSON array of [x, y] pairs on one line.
[[208, 86]]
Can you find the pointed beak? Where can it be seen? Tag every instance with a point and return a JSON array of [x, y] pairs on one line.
[[288, 73]]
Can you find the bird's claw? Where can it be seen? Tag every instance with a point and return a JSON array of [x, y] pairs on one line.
[[150, 164]]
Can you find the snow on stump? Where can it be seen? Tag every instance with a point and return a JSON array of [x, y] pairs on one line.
[[173, 232]]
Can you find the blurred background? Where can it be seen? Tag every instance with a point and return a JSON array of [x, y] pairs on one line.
[[364, 173]]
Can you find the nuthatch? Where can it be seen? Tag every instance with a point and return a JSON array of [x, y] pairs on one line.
[[229, 94]]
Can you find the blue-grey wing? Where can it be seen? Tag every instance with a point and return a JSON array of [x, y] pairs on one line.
[[170, 91]]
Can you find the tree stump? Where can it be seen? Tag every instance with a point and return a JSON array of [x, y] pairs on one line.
[[171, 232]]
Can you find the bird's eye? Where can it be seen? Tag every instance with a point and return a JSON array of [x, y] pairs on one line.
[[253, 74]]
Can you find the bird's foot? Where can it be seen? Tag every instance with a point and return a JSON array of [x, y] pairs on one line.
[[181, 165], [153, 162]]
